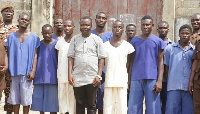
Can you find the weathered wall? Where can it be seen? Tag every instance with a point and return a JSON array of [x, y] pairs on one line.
[[177, 13], [41, 14], [19, 6]]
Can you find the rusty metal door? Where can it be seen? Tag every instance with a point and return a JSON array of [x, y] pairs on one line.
[[129, 11]]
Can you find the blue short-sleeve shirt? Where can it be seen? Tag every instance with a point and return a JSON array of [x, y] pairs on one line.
[[179, 62], [105, 37], [145, 64], [21, 55]]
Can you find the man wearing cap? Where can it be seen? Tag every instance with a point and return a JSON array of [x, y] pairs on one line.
[[6, 27]]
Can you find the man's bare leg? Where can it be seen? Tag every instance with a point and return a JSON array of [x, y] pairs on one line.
[[16, 108], [26, 109], [53, 112], [41, 112]]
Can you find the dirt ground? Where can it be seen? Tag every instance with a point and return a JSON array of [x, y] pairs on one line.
[[2, 102]]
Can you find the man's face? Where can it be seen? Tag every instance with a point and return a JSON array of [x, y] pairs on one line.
[[47, 33], [163, 29], [117, 29], [185, 35], [146, 26], [85, 26], [7, 14], [130, 31], [101, 20], [195, 21], [24, 21], [58, 24], [68, 27]]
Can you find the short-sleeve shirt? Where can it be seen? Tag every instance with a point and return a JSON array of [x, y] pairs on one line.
[[62, 73], [21, 55], [47, 62], [105, 37], [145, 64], [86, 52], [116, 72], [179, 62], [168, 43]]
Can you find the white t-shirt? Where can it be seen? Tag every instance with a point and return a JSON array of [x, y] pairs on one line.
[[115, 62], [62, 73]]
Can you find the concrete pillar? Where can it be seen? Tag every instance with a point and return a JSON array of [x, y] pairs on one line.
[[169, 16]]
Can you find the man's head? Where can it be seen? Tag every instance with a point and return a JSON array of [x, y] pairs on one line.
[[101, 19], [47, 32], [58, 24], [146, 25], [85, 25], [163, 28], [185, 32], [24, 20], [68, 27], [118, 28], [130, 31], [195, 21], [7, 12]]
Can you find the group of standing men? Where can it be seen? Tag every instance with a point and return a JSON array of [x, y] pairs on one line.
[[76, 78]]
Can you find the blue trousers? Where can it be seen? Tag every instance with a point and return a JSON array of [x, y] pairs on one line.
[[140, 89], [179, 102]]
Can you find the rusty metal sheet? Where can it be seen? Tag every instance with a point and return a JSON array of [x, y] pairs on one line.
[[115, 9]]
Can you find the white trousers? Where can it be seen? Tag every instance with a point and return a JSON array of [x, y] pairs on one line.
[[67, 102], [115, 100]]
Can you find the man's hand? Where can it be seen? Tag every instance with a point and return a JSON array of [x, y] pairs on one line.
[[157, 87], [96, 81], [31, 76], [3, 68], [191, 87], [71, 80]]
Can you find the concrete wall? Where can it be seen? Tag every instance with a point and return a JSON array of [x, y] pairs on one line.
[[177, 13], [42, 13], [19, 6]]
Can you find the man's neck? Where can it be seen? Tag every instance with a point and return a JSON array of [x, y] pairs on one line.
[[7, 22], [129, 39], [164, 38], [86, 35], [184, 45], [117, 38], [99, 30], [195, 31], [22, 30], [145, 36], [68, 37], [59, 34]]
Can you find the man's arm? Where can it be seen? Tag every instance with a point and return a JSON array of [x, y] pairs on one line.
[[70, 67], [131, 60], [158, 86], [194, 65], [166, 69], [96, 80], [31, 75]]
